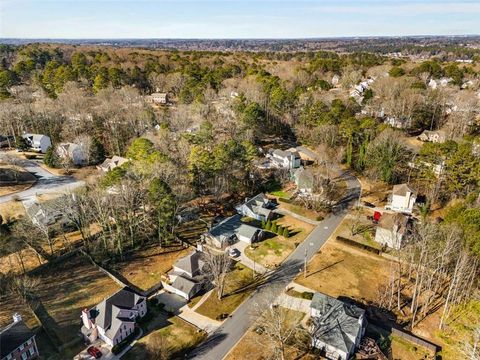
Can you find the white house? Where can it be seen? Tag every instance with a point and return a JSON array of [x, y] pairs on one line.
[[402, 199], [285, 159], [391, 230], [337, 327], [438, 136], [77, 153], [186, 278], [305, 180], [259, 207], [114, 318], [38, 142]]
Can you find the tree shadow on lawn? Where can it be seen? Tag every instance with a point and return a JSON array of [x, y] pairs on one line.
[[212, 341], [324, 268]]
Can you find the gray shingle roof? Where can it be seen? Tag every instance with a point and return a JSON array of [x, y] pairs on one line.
[[232, 226], [190, 263], [338, 322], [12, 336], [183, 284], [105, 312]]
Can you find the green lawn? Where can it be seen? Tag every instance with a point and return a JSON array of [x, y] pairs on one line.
[[172, 341], [273, 251], [236, 280]]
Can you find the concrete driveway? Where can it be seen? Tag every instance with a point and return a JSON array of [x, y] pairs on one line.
[[106, 352], [245, 260]]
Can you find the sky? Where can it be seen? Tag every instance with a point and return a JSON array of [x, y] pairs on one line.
[[77, 19]]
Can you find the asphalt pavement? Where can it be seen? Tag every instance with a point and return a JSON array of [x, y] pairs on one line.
[[220, 342], [46, 183]]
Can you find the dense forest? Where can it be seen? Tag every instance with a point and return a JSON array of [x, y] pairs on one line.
[[360, 110]]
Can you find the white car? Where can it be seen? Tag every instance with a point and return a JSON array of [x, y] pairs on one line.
[[233, 252]]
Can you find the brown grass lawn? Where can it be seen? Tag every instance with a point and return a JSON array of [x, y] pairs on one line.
[[9, 305], [364, 229], [178, 335], [406, 350], [145, 268], [67, 288], [254, 346], [375, 192], [300, 210], [238, 278], [340, 270], [14, 179], [12, 210], [274, 250]]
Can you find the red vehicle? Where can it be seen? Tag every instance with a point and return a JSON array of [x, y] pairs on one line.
[[92, 350]]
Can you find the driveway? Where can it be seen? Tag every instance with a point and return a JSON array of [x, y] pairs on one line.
[[47, 183], [245, 260], [106, 352], [220, 342]]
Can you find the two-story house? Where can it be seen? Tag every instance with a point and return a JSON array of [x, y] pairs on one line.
[[337, 327], [17, 341], [285, 159], [259, 207], [114, 318], [402, 199]]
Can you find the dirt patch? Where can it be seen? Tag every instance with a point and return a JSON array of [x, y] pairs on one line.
[[340, 270], [374, 192], [145, 268]]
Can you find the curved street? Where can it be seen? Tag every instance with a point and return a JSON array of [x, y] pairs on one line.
[[220, 342], [46, 183]]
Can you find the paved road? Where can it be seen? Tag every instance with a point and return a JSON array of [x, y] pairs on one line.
[[46, 183], [220, 342]]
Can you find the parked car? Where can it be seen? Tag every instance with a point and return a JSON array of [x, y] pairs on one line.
[[233, 252], [95, 352]]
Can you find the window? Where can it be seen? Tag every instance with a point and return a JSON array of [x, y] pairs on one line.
[[29, 342], [21, 347], [124, 327], [31, 350], [9, 357], [24, 356]]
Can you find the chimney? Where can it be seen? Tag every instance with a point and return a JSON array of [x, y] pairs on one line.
[[17, 318]]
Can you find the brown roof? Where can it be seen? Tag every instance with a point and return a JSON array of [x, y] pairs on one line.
[[387, 221], [402, 189]]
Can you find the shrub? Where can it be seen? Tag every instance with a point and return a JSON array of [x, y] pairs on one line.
[[51, 158], [307, 295], [268, 225], [263, 224], [286, 233], [30, 156], [274, 228], [279, 230]]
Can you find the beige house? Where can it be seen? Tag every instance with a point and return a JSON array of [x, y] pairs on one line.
[[391, 230], [438, 136], [112, 163], [158, 98]]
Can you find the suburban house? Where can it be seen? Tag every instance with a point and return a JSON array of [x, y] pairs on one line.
[[231, 230], [112, 163], [285, 159], [44, 215], [402, 199], [113, 319], [186, 278], [397, 122], [159, 98], [337, 327], [38, 142], [77, 153], [258, 207], [304, 180], [438, 136], [17, 341], [391, 230]]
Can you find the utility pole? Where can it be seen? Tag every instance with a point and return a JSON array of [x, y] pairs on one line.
[[305, 264]]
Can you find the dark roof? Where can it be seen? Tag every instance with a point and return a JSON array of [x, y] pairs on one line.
[[12, 336], [123, 299], [338, 323], [232, 226]]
